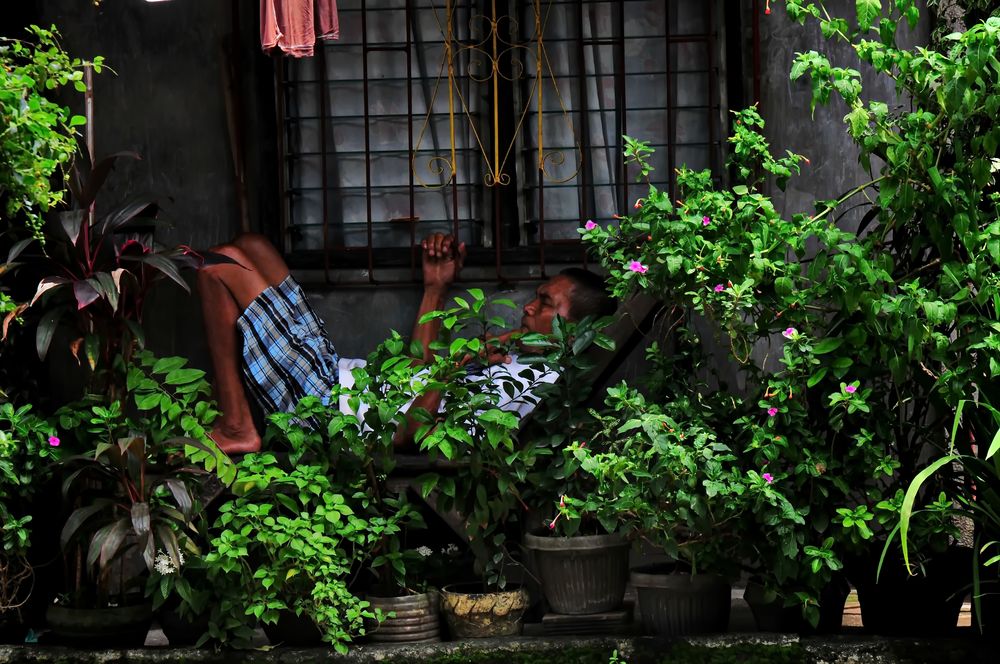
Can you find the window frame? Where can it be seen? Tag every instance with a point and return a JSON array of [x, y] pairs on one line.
[[510, 264]]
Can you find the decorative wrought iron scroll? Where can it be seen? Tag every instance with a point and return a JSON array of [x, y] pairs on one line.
[[484, 57]]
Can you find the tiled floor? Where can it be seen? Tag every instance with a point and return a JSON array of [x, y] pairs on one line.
[[852, 613]]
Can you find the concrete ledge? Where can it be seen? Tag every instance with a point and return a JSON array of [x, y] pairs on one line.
[[724, 649]]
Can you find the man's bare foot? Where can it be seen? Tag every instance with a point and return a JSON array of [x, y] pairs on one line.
[[235, 442]]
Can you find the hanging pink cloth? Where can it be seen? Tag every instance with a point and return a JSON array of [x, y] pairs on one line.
[[290, 25]]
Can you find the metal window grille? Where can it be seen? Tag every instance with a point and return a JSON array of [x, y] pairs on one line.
[[367, 127]]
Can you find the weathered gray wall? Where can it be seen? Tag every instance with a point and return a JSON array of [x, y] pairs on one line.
[[823, 138], [785, 106], [163, 98]]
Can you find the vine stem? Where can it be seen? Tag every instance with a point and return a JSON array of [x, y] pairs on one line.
[[853, 192]]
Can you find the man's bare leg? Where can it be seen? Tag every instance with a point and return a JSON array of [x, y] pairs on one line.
[[226, 290], [264, 256]]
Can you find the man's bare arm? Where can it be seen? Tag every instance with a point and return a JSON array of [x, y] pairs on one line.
[[442, 261]]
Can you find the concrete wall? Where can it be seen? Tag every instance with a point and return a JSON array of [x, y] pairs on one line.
[[785, 106], [163, 98]]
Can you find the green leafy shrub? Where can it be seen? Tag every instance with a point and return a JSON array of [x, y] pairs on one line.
[[29, 447], [135, 492], [884, 329], [291, 541], [38, 143], [490, 483], [663, 476]]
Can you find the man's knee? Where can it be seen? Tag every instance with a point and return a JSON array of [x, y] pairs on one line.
[[253, 243], [216, 270], [232, 252]]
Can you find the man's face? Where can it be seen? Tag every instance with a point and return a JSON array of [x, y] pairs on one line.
[[551, 298]]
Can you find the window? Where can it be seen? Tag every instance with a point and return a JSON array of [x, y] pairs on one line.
[[383, 142]]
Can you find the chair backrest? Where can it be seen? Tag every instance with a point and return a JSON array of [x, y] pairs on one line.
[[634, 319]]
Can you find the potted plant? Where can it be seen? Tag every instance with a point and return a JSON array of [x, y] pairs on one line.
[[409, 606], [486, 487], [307, 521], [723, 261], [352, 439], [866, 317], [924, 304], [581, 561], [28, 449], [667, 479], [285, 551], [134, 497], [977, 497]]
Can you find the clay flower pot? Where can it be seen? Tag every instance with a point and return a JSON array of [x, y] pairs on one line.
[[680, 604], [471, 613], [581, 575], [415, 619]]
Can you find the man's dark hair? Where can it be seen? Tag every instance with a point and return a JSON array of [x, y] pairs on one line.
[[590, 294]]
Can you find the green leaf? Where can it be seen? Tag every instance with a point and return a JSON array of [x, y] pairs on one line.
[[828, 345], [184, 376], [164, 265], [168, 364], [868, 11], [427, 483], [46, 329], [816, 377], [906, 511]]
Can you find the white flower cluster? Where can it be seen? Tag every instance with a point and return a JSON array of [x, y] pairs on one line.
[[450, 550], [424, 551], [164, 565]]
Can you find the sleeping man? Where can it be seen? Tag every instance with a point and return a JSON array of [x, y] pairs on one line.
[[266, 341]]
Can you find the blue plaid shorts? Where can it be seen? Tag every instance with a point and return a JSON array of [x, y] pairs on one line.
[[286, 353]]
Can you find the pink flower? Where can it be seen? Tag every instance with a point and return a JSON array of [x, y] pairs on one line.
[[789, 333], [636, 266], [768, 477], [719, 288], [638, 203], [590, 225], [552, 526], [851, 389], [54, 441], [772, 411], [562, 501], [705, 221]]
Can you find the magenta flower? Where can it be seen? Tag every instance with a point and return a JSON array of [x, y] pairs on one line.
[[719, 288], [54, 441], [789, 333], [851, 389], [636, 266], [768, 477], [772, 411], [590, 225], [562, 501], [705, 221]]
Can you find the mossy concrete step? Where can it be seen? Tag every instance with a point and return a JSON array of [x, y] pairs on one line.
[[725, 649]]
